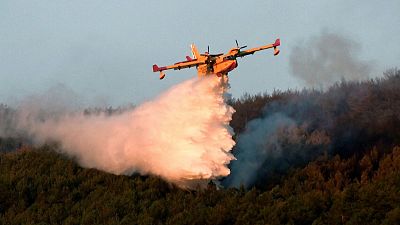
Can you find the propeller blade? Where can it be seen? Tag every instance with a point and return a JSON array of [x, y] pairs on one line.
[[237, 44], [243, 47], [208, 48]]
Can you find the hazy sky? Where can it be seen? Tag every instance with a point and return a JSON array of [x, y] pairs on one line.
[[104, 50]]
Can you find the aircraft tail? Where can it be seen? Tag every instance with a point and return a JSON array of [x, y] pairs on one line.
[[195, 52]]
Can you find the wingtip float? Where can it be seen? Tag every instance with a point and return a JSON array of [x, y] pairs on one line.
[[218, 64]]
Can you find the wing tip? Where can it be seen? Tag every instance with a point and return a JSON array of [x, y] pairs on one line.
[[277, 42], [155, 68]]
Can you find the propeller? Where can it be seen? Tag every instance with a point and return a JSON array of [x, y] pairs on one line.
[[237, 44], [208, 49]]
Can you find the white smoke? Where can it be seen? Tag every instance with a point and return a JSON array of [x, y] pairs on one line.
[[328, 58], [183, 135]]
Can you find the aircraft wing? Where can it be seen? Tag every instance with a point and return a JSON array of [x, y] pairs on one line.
[[179, 65], [253, 50]]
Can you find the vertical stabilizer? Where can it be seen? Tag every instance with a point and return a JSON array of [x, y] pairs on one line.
[[195, 52]]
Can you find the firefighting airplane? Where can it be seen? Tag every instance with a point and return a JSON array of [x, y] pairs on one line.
[[218, 64]]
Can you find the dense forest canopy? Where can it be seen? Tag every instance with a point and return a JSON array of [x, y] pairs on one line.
[[289, 129], [338, 163]]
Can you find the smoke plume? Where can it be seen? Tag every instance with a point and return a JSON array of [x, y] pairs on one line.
[[260, 142], [182, 136], [290, 132], [297, 127], [328, 58], [295, 130]]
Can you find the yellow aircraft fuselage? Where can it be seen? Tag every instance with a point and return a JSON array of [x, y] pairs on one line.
[[219, 68]]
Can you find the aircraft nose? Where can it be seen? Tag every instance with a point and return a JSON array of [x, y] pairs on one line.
[[233, 65]]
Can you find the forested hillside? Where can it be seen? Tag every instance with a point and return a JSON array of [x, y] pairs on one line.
[[289, 129], [340, 164]]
